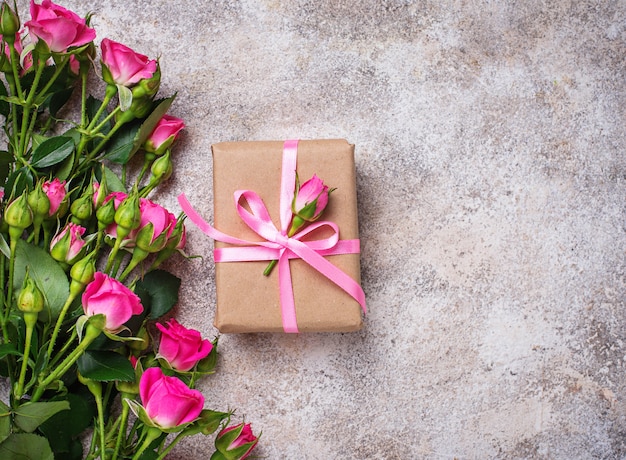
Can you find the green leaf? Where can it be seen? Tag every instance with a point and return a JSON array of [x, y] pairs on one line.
[[5, 108], [162, 106], [5, 421], [30, 415], [122, 146], [6, 160], [25, 446], [7, 349], [20, 180], [52, 151], [64, 426], [105, 366], [59, 99], [114, 184], [4, 247], [46, 272], [161, 289]]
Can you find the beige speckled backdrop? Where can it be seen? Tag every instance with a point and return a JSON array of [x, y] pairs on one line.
[[490, 140]]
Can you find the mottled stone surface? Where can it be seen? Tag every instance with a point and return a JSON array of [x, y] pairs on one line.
[[490, 140]]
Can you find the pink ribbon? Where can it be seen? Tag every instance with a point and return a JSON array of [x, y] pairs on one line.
[[276, 244]]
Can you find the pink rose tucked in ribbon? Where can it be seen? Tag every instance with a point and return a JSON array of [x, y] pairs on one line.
[[182, 348], [126, 66], [236, 442], [164, 134], [167, 400], [56, 192], [311, 199], [58, 27], [107, 296], [67, 245]]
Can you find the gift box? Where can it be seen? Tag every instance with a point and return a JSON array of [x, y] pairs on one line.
[[248, 301]]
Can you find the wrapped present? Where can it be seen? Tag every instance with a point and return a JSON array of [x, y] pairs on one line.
[[315, 285]]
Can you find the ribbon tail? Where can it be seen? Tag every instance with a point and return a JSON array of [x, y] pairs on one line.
[[287, 303], [329, 271]]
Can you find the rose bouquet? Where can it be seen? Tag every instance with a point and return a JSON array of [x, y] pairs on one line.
[[88, 344]]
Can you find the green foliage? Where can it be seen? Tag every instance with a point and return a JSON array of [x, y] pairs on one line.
[[105, 366], [47, 274], [158, 291], [30, 415], [25, 446]]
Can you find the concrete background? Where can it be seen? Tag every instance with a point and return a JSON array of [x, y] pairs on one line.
[[491, 179]]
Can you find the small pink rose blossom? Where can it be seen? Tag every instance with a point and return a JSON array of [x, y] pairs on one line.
[[182, 348], [161, 219], [67, 245], [311, 199], [164, 134], [167, 400], [56, 192], [58, 27], [107, 296], [125, 66]]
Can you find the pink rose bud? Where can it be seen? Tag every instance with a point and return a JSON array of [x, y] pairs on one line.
[[56, 194], [107, 296], [164, 134], [182, 348], [310, 199], [123, 66], [58, 27], [168, 402], [67, 245], [235, 442]]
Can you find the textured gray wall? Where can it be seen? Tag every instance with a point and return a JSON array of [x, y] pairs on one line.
[[491, 178]]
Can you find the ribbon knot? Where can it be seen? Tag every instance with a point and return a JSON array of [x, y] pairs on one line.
[[276, 245]]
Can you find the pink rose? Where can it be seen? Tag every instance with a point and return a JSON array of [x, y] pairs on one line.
[[125, 66], [107, 296], [164, 134], [66, 246], [236, 442], [155, 214], [182, 348], [55, 191], [58, 27], [310, 199], [167, 400]]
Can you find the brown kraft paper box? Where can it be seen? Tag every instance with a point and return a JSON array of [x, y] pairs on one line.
[[248, 301]]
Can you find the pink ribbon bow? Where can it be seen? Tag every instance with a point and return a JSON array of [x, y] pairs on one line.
[[276, 244]]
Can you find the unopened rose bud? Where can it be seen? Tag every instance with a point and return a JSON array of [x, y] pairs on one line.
[[31, 299], [82, 209], [9, 23], [106, 214], [81, 274], [162, 168], [18, 216], [128, 215], [39, 202]]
